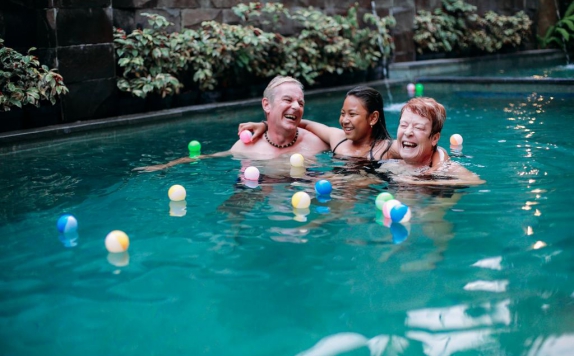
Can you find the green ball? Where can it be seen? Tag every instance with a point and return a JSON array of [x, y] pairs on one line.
[[419, 89], [194, 146], [382, 198]]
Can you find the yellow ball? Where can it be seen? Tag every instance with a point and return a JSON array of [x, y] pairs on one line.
[[176, 193], [456, 140], [297, 160], [117, 241], [301, 200]]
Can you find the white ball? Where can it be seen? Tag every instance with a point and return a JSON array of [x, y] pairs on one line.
[[117, 241], [251, 173], [301, 200], [176, 193], [388, 205], [297, 160]]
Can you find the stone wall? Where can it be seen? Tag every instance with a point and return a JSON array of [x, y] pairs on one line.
[[75, 36]]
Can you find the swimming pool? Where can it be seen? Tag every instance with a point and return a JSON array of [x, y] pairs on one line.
[[485, 270]]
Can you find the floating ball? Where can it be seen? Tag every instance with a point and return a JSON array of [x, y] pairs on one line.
[[323, 187], [388, 205], [400, 213], [419, 89], [411, 88], [176, 192], [456, 140], [382, 199], [246, 136], [301, 200], [117, 241], [251, 173], [297, 160], [194, 146], [67, 224]]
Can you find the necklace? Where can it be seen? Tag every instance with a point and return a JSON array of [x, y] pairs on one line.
[[282, 146]]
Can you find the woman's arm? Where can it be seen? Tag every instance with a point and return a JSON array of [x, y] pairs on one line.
[[326, 133]]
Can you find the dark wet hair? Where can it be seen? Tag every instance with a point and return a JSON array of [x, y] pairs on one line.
[[373, 101]]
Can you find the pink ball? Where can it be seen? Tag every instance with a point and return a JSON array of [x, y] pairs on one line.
[[389, 204], [251, 173], [245, 136]]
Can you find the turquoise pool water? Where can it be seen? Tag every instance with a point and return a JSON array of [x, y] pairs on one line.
[[485, 270], [562, 70]]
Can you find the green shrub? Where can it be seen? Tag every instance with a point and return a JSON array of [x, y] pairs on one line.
[[151, 58], [456, 28], [561, 34], [23, 81]]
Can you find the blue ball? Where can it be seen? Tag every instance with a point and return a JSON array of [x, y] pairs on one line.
[[323, 187], [67, 224], [400, 213]]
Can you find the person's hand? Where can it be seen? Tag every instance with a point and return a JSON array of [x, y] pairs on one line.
[[157, 167], [258, 129]]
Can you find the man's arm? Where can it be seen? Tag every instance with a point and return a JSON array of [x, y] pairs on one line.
[[159, 167]]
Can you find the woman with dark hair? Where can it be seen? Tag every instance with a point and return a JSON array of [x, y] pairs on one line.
[[363, 131]]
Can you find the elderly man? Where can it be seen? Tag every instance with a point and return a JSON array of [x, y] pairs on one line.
[[283, 103]]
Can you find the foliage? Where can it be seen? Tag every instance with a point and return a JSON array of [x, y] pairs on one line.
[[368, 49], [219, 55], [228, 53], [322, 44], [266, 15], [151, 58], [445, 28], [24, 81], [561, 34], [496, 32], [318, 48], [435, 32], [457, 28]]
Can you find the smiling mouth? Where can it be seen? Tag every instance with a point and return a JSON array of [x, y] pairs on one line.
[[409, 145], [290, 117]]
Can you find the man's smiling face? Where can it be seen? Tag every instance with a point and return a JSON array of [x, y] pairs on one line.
[[285, 109]]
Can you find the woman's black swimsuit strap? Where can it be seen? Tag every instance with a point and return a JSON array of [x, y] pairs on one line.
[[372, 158], [343, 140]]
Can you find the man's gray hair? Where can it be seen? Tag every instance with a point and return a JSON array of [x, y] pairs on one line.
[[269, 92]]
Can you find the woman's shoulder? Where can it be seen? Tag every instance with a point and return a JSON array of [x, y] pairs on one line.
[[382, 150]]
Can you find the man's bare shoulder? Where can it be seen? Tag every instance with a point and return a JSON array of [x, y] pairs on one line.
[[257, 150], [312, 141]]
